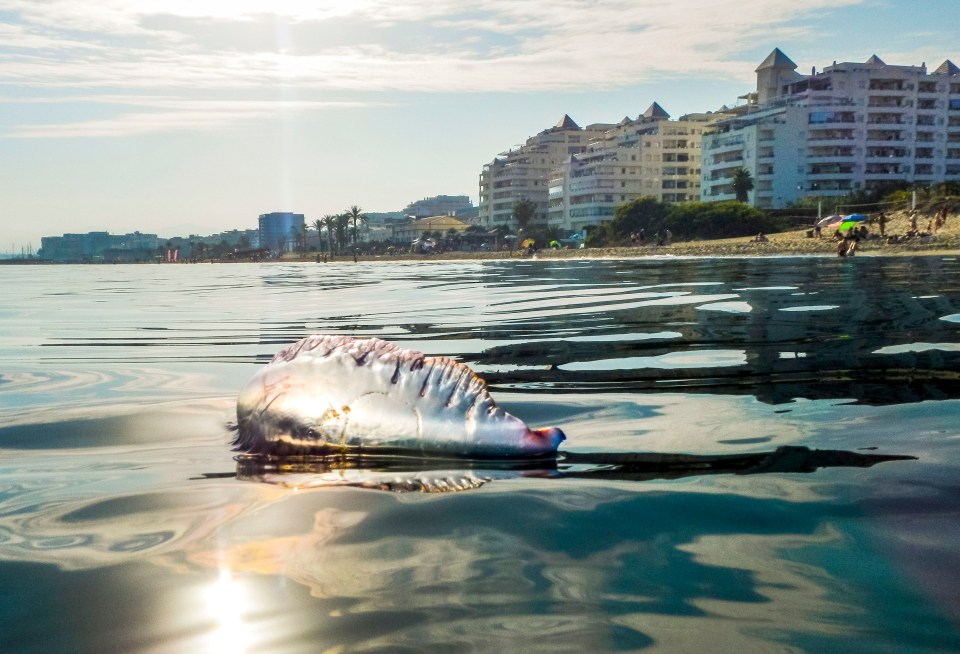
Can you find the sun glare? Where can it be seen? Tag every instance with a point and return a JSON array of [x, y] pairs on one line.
[[226, 602]]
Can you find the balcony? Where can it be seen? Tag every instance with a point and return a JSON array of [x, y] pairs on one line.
[[885, 119], [827, 152], [887, 153], [884, 135], [826, 171], [831, 117], [885, 101], [890, 85], [828, 135], [886, 169]]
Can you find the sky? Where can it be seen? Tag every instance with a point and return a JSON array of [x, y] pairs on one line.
[[181, 117]]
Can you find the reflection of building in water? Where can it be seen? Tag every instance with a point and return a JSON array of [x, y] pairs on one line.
[[279, 230], [852, 126], [806, 328]]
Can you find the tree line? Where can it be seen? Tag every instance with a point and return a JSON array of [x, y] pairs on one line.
[[685, 221], [342, 229]]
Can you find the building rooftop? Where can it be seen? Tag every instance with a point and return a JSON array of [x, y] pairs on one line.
[[776, 59]]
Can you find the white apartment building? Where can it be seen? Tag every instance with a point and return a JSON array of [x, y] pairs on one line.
[[438, 205], [524, 173], [650, 156], [850, 126]]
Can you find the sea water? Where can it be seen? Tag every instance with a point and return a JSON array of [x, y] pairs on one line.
[[124, 527]]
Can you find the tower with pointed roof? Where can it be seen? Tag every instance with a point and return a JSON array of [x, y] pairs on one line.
[[772, 74]]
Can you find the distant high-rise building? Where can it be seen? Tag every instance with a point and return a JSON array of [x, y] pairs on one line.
[[651, 156], [279, 230], [438, 205], [852, 126], [524, 173], [99, 246]]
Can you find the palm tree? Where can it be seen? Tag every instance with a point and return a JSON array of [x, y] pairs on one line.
[[329, 222], [356, 217], [318, 225], [342, 226], [742, 184], [524, 211]]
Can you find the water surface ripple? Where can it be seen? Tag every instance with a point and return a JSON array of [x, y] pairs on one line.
[[123, 526]]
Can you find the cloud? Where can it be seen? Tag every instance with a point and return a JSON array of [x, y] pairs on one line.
[[321, 46], [152, 114], [560, 43]]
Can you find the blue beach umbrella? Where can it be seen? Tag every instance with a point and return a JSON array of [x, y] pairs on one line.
[[853, 220]]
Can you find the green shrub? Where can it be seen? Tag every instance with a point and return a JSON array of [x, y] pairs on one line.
[[686, 221]]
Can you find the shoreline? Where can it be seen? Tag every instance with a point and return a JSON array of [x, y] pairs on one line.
[[793, 243]]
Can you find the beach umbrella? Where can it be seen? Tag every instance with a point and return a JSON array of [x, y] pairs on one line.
[[823, 222], [527, 243], [853, 220]]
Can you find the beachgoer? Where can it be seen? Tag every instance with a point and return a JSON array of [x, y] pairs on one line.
[[913, 220], [818, 231], [882, 220], [642, 236], [667, 237]]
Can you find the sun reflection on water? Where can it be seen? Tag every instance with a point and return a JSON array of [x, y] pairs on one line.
[[226, 602]]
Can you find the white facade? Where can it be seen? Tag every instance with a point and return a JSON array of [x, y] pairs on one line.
[[651, 156], [438, 205], [851, 126], [524, 173]]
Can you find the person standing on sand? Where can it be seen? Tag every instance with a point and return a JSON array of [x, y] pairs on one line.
[[882, 220], [913, 220]]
